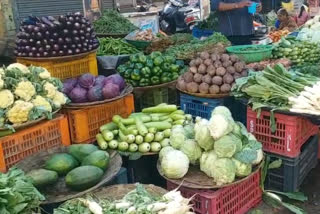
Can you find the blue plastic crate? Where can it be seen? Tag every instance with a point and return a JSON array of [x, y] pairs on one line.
[[198, 106], [201, 33], [293, 171], [238, 109]]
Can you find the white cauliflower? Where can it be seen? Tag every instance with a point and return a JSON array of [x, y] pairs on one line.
[[6, 98], [1, 71], [19, 113], [59, 99], [24, 69], [50, 89], [1, 82], [45, 74], [25, 90], [40, 101]]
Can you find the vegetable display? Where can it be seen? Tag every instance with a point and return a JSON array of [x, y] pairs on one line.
[[297, 51], [223, 148], [279, 89], [212, 74], [28, 93], [18, 195], [111, 22], [161, 43], [310, 30], [82, 167], [153, 69], [50, 37], [138, 200], [147, 131], [145, 35], [275, 36], [88, 88], [110, 46], [259, 66]]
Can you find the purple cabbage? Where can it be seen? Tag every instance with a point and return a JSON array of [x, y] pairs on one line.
[[78, 95], [110, 91], [117, 80], [68, 85], [95, 93], [86, 80], [100, 80]]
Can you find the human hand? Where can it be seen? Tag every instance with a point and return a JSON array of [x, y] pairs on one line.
[[245, 3]]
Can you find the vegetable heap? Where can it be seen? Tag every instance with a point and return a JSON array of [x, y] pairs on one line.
[[297, 51], [137, 201], [223, 147], [310, 30], [82, 167], [27, 94], [279, 89], [161, 43], [18, 195], [110, 46], [88, 88], [214, 43], [111, 22], [212, 74], [50, 37], [153, 69], [147, 131], [145, 35]]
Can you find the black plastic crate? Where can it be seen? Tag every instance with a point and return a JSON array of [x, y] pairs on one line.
[[293, 171]]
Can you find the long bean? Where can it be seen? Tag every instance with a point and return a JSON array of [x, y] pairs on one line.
[[110, 46]]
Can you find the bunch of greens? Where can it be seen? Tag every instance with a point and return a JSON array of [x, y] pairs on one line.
[[310, 68], [211, 23], [110, 46], [111, 22], [18, 195]]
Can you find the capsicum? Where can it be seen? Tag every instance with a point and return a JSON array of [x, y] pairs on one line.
[[155, 54], [180, 63], [136, 75], [127, 74], [142, 58], [122, 69], [138, 66], [174, 76], [158, 61], [133, 83], [166, 67], [169, 59], [149, 63], [155, 80], [134, 58], [156, 71], [174, 68], [146, 72], [144, 82], [165, 79]]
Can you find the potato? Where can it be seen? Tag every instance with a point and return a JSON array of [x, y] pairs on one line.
[[239, 66], [225, 88], [188, 77], [211, 70], [204, 88], [207, 62], [204, 55], [182, 85], [217, 64], [180, 78], [207, 79], [225, 57], [214, 89], [244, 73], [231, 70], [236, 76], [221, 71], [192, 63], [198, 61], [215, 57], [226, 64], [192, 87], [202, 69], [217, 80], [234, 58], [197, 78], [228, 78], [193, 70]]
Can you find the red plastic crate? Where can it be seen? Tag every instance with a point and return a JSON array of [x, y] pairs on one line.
[[291, 132], [236, 199], [40, 137]]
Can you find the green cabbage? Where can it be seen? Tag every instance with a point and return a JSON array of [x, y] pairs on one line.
[[227, 146], [177, 137], [175, 164], [224, 171], [164, 151], [192, 150], [221, 110], [220, 125], [202, 135], [206, 160], [189, 130], [242, 169]]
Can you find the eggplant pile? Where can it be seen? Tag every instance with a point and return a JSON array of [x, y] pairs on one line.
[[51, 37]]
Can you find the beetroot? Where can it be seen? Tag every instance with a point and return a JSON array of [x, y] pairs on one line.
[[95, 93], [110, 91]]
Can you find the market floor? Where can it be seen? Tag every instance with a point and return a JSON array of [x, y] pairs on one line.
[[310, 187]]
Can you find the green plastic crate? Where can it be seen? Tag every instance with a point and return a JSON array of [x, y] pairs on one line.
[[263, 52]]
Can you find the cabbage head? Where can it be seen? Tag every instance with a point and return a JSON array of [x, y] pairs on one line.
[[224, 171], [206, 161], [164, 151], [242, 169], [177, 137], [192, 150], [202, 135], [221, 110], [189, 130], [227, 146], [220, 125], [175, 164]]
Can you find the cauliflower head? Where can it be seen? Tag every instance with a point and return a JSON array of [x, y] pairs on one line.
[[25, 90], [19, 113], [6, 98], [59, 99], [40, 101], [24, 69], [45, 74], [1, 82], [50, 89], [2, 71]]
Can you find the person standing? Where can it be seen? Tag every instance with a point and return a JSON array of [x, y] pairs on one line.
[[235, 22], [286, 21], [303, 15]]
